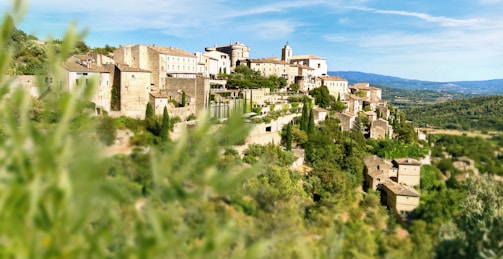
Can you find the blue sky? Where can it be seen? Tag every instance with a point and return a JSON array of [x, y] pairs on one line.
[[446, 40]]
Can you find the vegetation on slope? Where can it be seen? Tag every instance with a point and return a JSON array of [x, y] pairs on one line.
[[195, 197], [29, 54], [479, 113], [407, 98]]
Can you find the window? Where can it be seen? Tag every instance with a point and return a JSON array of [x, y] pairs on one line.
[[132, 76], [319, 65]]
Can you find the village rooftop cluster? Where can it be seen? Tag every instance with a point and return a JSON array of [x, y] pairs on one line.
[[134, 75]]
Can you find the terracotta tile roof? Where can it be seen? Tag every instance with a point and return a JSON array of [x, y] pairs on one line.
[[306, 57], [302, 66], [400, 190], [407, 161], [159, 95], [354, 97], [333, 78], [172, 51], [360, 86], [268, 60], [237, 43], [125, 68], [75, 67], [344, 114]]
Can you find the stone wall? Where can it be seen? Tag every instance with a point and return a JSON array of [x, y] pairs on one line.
[[197, 88], [134, 93]]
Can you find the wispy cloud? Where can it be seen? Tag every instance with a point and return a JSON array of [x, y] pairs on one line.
[[442, 20], [272, 30]]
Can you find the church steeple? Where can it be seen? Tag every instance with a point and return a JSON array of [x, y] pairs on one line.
[[286, 53]]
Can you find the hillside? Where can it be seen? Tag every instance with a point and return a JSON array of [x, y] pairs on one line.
[[405, 98], [486, 87], [479, 113]]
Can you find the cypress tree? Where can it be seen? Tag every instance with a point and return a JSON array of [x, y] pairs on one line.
[[149, 112], [311, 126], [304, 120], [289, 137], [183, 98], [165, 125], [151, 122]]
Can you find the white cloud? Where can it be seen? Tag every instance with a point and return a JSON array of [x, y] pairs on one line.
[[271, 30], [442, 20], [336, 38], [344, 20]]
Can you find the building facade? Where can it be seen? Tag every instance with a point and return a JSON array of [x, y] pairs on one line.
[[237, 52]]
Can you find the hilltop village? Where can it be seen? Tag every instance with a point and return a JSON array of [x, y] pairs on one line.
[[190, 83]]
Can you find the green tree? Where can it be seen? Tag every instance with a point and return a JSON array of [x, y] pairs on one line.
[[115, 99], [311, 126], [299, 136], [322, 96], [106, 130], [183, 99], [151, 122], [478, 228], [304, 120], [294, 88], [164, 133], [149, 111]]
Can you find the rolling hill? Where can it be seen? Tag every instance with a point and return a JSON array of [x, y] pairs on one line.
[[487, 87]]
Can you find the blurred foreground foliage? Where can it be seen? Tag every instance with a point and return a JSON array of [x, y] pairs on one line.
[[62, 196]]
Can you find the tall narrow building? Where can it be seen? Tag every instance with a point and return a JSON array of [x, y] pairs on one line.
[[286, 53]]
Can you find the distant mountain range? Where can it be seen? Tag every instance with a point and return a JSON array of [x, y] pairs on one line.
[[487, 87]]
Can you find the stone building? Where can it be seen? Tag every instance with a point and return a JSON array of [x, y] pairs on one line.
[[27, 82], [270, 66], [320, 114], [376, 171], [380, 129], [223, 65], [78, 74], [303, 76], [133, 85], [317, 63], [196, 89], [402, 200], [396, 180], [163, 62], [337, 86], [158, 102], [237, 52], [409, 171], [347, 120]]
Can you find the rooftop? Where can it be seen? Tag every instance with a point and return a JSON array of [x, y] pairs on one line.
[[407, 161], [306, 57], [333, 78], [159, 95], [400, 190], [125, 68], [75, 67], [172, 51], [268, 60]]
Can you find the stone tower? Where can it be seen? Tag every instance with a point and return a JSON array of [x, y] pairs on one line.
[[286, 53]]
